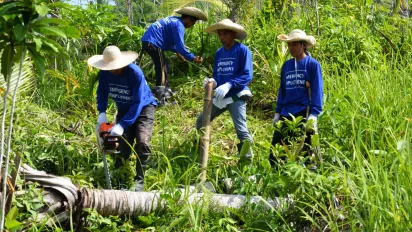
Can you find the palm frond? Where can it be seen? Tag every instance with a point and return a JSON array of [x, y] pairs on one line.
[[27, 80]]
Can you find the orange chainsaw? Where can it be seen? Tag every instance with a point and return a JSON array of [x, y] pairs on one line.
[[107, 144]]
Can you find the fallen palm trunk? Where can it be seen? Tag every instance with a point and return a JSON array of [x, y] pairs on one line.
[[127, 203], [61, 197]]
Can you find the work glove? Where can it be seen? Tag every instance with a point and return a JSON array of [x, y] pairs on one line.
[[117, 130], [313, 122], [207, 80], [102, 119], [276, 118], [222, 90]]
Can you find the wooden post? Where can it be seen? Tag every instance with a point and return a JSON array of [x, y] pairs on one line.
[[205, 138]]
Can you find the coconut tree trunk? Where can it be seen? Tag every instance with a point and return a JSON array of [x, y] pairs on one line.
[[63, 199], [129, 11]]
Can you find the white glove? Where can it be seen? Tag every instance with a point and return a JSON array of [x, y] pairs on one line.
[[117, 130], [276, 118], [101, 119], [313, 121], [207, 80], [222, 90]]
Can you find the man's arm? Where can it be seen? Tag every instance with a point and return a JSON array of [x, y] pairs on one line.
[[179, 46]]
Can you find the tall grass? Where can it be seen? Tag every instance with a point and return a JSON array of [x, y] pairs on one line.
[[365, 130]]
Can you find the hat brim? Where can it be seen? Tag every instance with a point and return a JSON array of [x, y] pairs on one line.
[[192, 11], [125, 59], [241, 33], [310, 40]]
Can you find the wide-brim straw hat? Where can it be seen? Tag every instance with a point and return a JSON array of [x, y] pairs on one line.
[[298, 35], [112, 59], [227, 24], [192, 11]]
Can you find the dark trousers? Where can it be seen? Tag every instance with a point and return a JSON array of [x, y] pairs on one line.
[[141, 131], [284, 136], [159, 61]]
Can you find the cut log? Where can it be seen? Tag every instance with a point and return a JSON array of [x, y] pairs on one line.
[[61, 196]]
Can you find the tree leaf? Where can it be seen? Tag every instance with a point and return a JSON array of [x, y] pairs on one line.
[[59, 5], [50, 30], [12, 214], [72, 32], [47, 21], [6, 58], [20, 32], [38, 59], [55, 45], [51, 45], [38, 42], [12, 224], [5, 7], [42, 10]]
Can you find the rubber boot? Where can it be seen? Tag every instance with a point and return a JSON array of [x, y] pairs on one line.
[[245, 155], [141, 166], [162, 94]]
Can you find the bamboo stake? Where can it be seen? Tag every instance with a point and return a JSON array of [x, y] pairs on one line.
[[205, 139]]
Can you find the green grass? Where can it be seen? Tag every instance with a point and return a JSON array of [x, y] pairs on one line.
[[364, 183], [365, 136]]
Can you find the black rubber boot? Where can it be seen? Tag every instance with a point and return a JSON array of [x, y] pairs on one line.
[[141, 166], [162, 94]]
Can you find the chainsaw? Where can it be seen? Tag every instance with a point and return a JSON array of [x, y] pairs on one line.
[[107, 144]]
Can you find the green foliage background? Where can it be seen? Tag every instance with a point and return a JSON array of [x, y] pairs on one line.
[[365, 128]]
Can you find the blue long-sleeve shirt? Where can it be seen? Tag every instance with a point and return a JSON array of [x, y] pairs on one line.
[[130, 92], [168, 34], [233, 66], [293, 95]]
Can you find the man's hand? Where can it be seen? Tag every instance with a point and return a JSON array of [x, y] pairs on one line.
[[207, 80], [101, 119], [117, 130], [313, 123], [222, 90], [198, 59], [276, 118], [182, 58]]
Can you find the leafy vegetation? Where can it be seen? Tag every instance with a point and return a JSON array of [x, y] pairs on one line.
[[364, 182]]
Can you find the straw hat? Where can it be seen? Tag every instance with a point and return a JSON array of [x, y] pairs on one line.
[[112, 58], [227, 24], [192, 11], [298, 35]]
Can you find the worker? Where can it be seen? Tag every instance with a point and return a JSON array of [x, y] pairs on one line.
[[124, 82], [300, 92], [167, 34], [232, 72]]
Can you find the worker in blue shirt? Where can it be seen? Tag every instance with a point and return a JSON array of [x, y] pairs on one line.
[[300, 92], [167, 34], [124, 83], [232, 72]]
